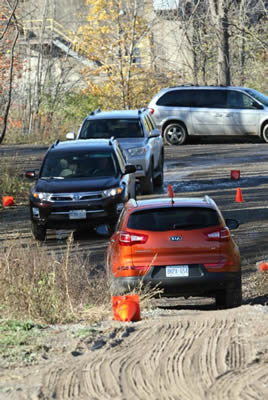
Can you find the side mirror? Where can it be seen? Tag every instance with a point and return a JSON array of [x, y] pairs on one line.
[[154, 133], [232, 223], [31, 175], [257, 106], [70, 135], [129, 169]]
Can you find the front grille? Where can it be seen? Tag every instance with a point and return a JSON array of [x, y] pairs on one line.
[[85, 196]]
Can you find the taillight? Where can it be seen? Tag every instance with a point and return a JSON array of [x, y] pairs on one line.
[[219, 235], [129, 239], [151, 110]]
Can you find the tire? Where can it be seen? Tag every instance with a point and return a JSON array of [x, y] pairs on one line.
[[39, 232], [230, 297], [147, 183], [159, 180], [265, 133], [175, 134]]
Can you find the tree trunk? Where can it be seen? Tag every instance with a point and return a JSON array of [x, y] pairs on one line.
[[219, 13]]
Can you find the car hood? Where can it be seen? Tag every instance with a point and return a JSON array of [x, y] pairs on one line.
[[76, 185], [127, 143]]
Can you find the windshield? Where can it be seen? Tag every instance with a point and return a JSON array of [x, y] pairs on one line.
[[78, 165], [258, 96], [175, 218], [106, 128]]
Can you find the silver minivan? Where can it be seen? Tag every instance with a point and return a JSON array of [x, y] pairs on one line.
[[184, 111]]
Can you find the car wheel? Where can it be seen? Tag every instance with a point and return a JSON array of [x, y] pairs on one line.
[[230, 297], [39, 232], [265, 133], [175, 134], [158, 181], [147, 183]]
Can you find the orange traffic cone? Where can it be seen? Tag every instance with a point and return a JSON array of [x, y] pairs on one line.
[[235, 174], [263, 267], [238, 197], [126, 308], [8, 201]]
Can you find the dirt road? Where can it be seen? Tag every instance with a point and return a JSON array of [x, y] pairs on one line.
[[179, 354], [186, 350]]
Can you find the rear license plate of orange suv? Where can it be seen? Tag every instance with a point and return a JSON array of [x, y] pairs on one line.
[[77, 214], [173, 271]]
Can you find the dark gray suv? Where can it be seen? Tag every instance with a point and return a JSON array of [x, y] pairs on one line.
[[80, 185], [185, 111]]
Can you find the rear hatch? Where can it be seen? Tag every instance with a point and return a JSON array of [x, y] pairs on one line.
[[176, 236]]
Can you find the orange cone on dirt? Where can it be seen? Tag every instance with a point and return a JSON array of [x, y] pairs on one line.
[[126, 308], [263, 267], [8, 201], [235, 174], [238, 197]]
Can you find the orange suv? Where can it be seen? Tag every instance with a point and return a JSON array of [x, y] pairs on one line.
[[182, 245]]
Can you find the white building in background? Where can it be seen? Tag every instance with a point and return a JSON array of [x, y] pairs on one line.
[[57, 22]]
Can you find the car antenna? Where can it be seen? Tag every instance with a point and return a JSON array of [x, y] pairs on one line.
[[171, 193]]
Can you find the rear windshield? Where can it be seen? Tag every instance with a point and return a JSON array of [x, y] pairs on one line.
[[164, 219], [106, 128]]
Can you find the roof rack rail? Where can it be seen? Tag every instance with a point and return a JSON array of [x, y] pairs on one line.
[[141, 110], [132, 203], [55, 143], [207, 199], [95, 111]]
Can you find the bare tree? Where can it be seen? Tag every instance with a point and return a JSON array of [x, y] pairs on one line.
[[10, 24]]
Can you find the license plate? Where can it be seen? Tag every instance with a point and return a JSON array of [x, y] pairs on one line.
[[77, 214], [177, 271]]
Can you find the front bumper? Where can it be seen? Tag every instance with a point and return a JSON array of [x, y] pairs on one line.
[[76, 214]]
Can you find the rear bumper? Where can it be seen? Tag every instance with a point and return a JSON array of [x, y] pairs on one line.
[[206, 285]]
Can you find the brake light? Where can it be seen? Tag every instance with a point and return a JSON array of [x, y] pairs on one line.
[[220, 235], [151, 110], [129, 239]]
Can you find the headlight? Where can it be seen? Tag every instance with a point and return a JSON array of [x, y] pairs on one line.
[[113, 192], [137, 151], [41, 196]]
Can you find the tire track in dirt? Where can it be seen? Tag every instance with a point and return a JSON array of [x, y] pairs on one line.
[[182, 358]]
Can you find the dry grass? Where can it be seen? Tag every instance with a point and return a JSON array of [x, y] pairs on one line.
[[11, 183], [50, 289]]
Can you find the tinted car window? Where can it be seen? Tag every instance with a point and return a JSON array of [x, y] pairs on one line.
[[78, 165], [239, 100], [210, 98], [163, 219], [177, 98], [259, 96], [106, 128]]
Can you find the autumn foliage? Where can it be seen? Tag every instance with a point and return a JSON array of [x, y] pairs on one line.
[[116, 39]]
